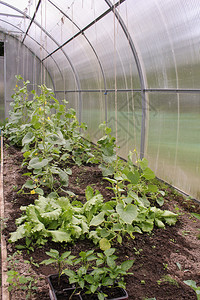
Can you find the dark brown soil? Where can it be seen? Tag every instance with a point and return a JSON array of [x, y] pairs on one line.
[[163, 259]]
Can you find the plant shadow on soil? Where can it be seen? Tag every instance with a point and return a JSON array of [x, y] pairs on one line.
[[163, 259]]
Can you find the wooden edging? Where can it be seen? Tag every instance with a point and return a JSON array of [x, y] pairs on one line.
[[4, 284]]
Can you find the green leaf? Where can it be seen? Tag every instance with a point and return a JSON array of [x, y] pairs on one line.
[[147, 226], [29, 137], [196, 215], [119, 239], [128, 213], [160, 201], [89, 193], [39, 191], [100, 296], [143, 163], [104, 244], [97, 220], [152, 188], [126, 265], [109, 157], [38, 163], [148, 174], [18, 234], [29, 184], [60, 236], [106, 171], [64, 177], [191, 283], [35, 122], [133, 177], [111, 262], [159, 223], [109, 251]]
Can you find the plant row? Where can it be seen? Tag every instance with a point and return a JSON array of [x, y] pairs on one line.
[[51, 140]]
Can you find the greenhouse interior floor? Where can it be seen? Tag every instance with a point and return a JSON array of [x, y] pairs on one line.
[[163, 259]]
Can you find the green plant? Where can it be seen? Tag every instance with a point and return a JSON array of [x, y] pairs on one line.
[[49, 134], [97, 271], [165, 266], [18, 281], [59, 261], [27, 246], [167, 278], [57, 218], [194, 286], [107, 147]]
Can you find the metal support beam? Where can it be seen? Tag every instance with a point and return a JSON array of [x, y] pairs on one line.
[[94, 51], [32, 20], [140, 73], [85, 28]]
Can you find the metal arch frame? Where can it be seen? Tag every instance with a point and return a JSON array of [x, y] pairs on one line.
[[32, 20], [32, 51], [85, 28], [69, 61], [140, 72], [95, 53]]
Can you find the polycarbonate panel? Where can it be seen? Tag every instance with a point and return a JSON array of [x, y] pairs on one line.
[[113, 50], [126, 109], [82, 12], [72, 99], [165, 34], [21, 61], [58, 26], [85, 62], [64, 76], [173, 140], [93, 113], [36, 47]]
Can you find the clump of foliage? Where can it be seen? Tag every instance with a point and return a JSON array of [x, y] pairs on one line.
[[94, 271], [17, 281], [50, 137], [49, 134]]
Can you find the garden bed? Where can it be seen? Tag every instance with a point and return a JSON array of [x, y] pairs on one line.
[[163, 258]]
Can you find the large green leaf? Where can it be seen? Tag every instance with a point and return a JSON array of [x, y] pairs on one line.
[[18, 234], [64, 178], [147, 225], [60, 236], [104, 244], [128, 213], [29, 184], [134, 177], [89, 193], [29, 137], [148, 174], [98, 219], [38, 163]]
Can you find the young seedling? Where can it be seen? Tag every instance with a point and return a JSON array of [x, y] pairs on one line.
[[98, 271], [59, 261]]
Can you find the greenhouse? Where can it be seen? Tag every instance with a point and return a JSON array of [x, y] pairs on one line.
[[100, 148]]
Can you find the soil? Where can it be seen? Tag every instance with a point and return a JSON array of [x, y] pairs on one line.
[[163, 259]]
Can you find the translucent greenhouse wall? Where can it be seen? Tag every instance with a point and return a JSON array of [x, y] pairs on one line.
[[133, 64], [19, 60]]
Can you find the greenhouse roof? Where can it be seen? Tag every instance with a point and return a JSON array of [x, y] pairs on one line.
[[133, 64]]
